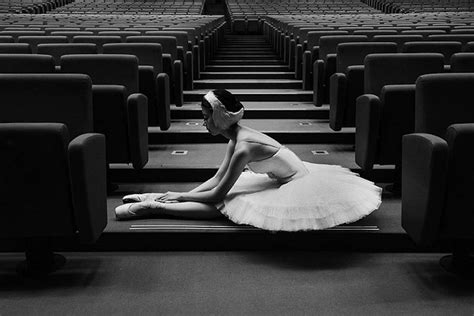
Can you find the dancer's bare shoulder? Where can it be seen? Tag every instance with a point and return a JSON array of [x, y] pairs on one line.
[[259, 145]]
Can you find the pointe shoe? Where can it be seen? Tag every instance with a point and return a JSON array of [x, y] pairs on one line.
[[133, 198], [137, 210]]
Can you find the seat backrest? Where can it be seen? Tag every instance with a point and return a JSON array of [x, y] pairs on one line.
[[58, 50], [148, 54], [349, 54], [63, 98], [105, 69], [314, 36], [458, 218], [462, 62], [328, 44], [34, 159], [123, 34], [371, 33], [463, 38], [469, 47], [389, 69], [35, 40], [70, 34], [6, 39], [169, 44], [15, 48], [424, 33], [191, 32], [26, 63], [99, 40], [442, 100], [16, 34], [447, 49], [181, 36], [399, 39]]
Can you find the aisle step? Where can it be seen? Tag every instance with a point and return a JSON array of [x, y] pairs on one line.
[[247, 83], [257, 95], [247, 68], [292, 131], [260, 110], [246, 62], [247, 75], [244, 57]]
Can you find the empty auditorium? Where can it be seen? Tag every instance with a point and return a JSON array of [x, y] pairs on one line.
[[236, 157]]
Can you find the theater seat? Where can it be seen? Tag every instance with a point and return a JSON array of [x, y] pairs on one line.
[[26, 63], [348, 82], [58, 50], [120, 111], [15, 48], [99, 40], [35, 40], [462, 62], [154, 83], [438, 181], [325, 66], [53, 188], [387, 109], [171, 63], [443, 47]]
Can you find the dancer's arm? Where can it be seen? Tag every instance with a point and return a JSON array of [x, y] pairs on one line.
[[214, 181], [238, 161]]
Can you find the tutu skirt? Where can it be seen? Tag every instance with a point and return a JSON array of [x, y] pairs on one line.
[[329, 195]]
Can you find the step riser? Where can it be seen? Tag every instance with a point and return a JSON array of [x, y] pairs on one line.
[[243, 57], [244, 75], [282, 137], [243, 68], [257, 97], [246, 62], [246, 85], [259, 114]]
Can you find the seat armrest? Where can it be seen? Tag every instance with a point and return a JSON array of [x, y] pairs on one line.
[[307, 71], [137, 106], [178, 83], [163, 102], [188, 74], [88, 184], [396, 119], [318, 82], [298, 61], [337, 100], [424, 171], [196, 63], [447, 68], [314, 54], [368, 109]]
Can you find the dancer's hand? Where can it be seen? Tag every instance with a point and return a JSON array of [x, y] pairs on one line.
[[170, 197]]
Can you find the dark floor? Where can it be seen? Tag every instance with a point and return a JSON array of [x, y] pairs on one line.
[[239, 283]]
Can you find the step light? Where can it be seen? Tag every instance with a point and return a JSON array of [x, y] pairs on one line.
[[319, 152], [179, 152], [192, 124], [305, 123]]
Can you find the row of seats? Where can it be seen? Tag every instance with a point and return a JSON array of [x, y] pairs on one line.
[[31, 6], [404, 6], [239, 8], [133, 7]]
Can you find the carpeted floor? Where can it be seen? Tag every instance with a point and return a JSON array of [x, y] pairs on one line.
[[239, 283]]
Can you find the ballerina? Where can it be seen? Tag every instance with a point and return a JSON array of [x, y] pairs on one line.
[[261, 183]]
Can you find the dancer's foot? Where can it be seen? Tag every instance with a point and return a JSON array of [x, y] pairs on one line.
[[132, 198], [137, 210]]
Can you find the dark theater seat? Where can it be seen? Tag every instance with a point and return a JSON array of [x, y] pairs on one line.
[[348, 82], [58, 50], [52, 187], [15, 48], [120, 111], [154, 83], [386, 111], [26, 63]]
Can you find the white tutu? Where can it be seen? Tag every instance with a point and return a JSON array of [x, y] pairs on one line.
[[327, 196]]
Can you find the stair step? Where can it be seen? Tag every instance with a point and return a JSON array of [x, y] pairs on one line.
[[246, 62], [244, 57], [252, 53], [247, 84], [260, 110], [247, 68], [290, 131], [256, 95], [247, 75]]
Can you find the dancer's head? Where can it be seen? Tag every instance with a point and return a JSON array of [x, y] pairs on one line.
[[221, 111]]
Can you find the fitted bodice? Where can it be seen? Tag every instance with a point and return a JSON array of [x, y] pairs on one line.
[[284, 165]]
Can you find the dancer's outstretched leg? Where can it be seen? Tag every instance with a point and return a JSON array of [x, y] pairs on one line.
[[189, 210]]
